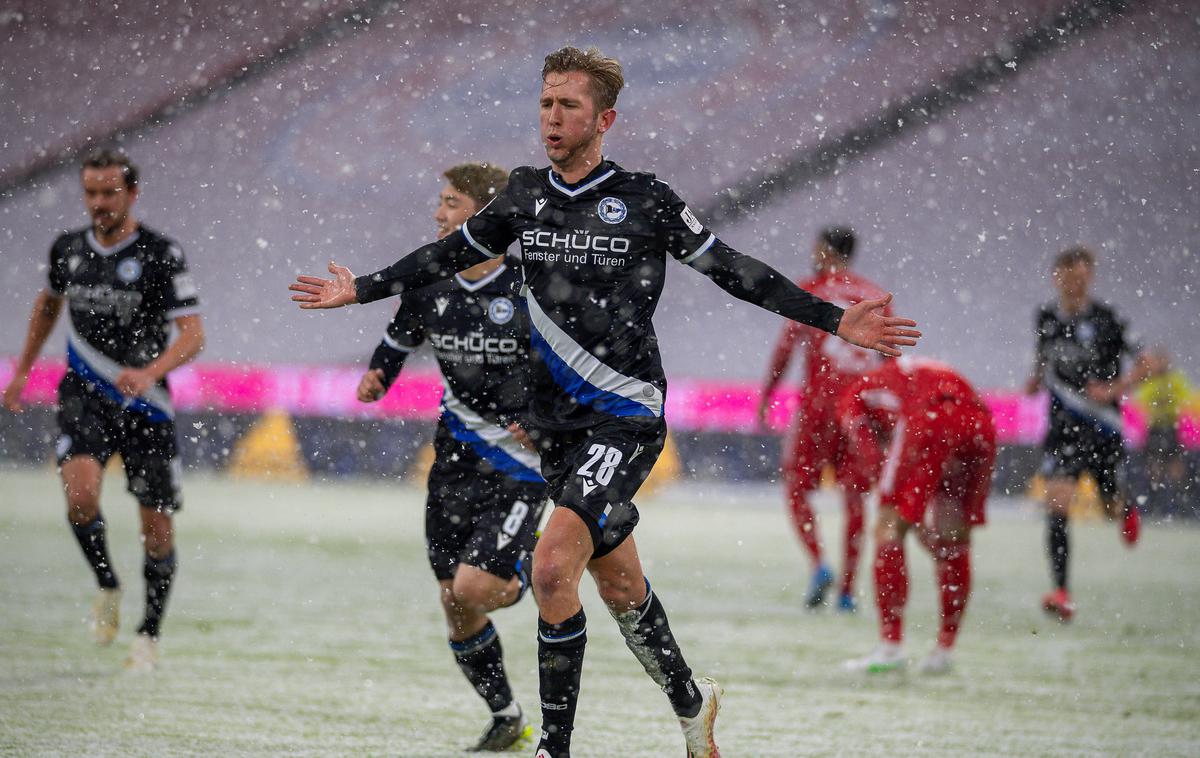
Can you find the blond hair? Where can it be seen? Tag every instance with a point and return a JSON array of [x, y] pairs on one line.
[[605, 72]]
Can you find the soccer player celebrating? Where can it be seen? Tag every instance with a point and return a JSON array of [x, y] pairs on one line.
[[830, 364], [941, 446], [595, 238], [124, 285], [486, 492], [1080, 344]]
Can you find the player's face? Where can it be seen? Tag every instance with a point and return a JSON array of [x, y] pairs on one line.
[[570, 123], [823, 258], [1074, 281], [454, 208], [107, 198]]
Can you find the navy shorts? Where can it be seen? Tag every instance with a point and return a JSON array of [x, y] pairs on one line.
[[91, 424], [486, 520], [596, 472]]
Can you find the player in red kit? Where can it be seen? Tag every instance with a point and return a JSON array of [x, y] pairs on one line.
[[922, 427], [829, 366]]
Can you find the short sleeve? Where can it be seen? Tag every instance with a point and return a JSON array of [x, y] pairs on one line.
[[685, 238], [180, 296], [58, 271]]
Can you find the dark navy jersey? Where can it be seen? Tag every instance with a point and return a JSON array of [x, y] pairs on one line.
[[594, 261], [1075, 350], [120, 304], [479, 332]]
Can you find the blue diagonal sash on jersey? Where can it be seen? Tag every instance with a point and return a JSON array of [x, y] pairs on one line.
[[584, 376], [1106, 418], [99, 370], [492, 443]]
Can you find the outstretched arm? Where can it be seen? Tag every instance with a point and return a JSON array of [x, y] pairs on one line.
[[750, 279], [426, 265], [484, 236]]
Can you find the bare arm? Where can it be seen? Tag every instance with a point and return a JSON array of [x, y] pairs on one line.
[[46, 307], [186, 346]]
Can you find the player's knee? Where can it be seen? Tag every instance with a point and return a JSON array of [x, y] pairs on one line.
[[551, 576], [82, 508], [479, 593], [621, 595], [889, 527]]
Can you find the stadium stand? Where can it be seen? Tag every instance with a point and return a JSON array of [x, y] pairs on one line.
[[332, 144]]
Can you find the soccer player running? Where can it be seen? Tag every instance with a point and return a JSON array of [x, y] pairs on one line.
[[486, 492], [940, 449], [595, 238], [1080, 346], [830, 364], [124, 285]]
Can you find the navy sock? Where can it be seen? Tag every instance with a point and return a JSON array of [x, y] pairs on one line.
[[92, 541], [560, 666], [648, 635], [481, 659], [1059, 547], [158, 575]]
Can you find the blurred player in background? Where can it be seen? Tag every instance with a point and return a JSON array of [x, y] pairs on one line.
[[926, 432], [595, 240], [1078, 356], [486, 492], [125, 285], [1164, 394], [830, 364]]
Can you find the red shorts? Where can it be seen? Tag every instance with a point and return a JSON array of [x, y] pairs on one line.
[[817, 441], [950, 455]]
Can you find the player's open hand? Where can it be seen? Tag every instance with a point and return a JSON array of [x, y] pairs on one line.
[[315, 292], [12, 393], [864, 325], [370, 387]]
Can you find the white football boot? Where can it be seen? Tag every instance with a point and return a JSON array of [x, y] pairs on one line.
[[939, 661], [106, 615], [888, 656], [698, 730], [143, 654]]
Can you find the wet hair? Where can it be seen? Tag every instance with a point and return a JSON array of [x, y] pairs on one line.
[[839, 239], [1074, 255], [605, 72], [479, 181], [107, 157]]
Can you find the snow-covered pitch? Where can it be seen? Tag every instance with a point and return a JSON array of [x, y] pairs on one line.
[[305, 622]]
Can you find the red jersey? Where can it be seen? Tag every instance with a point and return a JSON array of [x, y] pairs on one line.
[[929, 414], [830, 362]]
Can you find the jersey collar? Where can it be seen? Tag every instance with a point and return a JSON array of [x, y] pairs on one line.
[[598, 176], [101, 250], [479, 284]]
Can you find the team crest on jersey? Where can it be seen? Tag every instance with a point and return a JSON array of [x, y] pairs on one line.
[[500, 310], [1085, 332], [441, 303], [129, 270], [612, 210], [73, 263]]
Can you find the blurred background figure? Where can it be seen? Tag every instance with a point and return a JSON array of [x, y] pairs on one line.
[[817, 442], [1164, 394], [929, 440], [1081, 345]]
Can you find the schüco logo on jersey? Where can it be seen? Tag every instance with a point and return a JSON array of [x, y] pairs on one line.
[[582, 242]]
